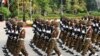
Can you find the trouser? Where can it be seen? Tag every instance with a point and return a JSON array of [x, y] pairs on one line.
[[98, 40], [94, 38], [76, 42], [72, 41], [45, 45], [63, 37], [42, 41], [87, 46], [34, 39], [8, 41], [17, 51], [52, 46], [37, 40], [68, 39], [61, 34], [80, 46]]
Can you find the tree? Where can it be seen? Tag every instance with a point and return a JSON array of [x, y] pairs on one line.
[[44, 6], [68, 5], [54, 5], [5, 11], [82, 5], [13, 7]]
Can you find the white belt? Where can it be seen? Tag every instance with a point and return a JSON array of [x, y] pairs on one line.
[[39, 29], [9, 31], [12, 31], [73, 34], [88, 38], [60, 22], [54, 38], [66, 26], [97, 24], [75, 29], [34, 25], [48, 31], [43, 30], [70, 27], [78, 29], [20, 39], [83, 31], [16, 32], [93, 24]]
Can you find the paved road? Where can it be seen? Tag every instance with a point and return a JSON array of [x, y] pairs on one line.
[[29, 36]]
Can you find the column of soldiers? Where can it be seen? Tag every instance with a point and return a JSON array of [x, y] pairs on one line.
[[45, 35], [80, 36], [16, 35]]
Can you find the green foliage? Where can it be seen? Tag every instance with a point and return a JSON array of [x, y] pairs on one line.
[[52, 8], [95, 13], [5, 11], [13, 8]]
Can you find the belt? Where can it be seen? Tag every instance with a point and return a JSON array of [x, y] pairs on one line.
[[88, 38], [20, 39], [53, 38]]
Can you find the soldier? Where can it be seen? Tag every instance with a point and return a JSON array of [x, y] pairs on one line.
[[98, 37], [10, 41], [64, 32], [20, 47], [95, 29], [42, 34], [70, 32], [88, 43], [52, 43], [39, 30], [48, 31], [64, 29], [78, 30], [82, 37], [34, 31], [9, 30]]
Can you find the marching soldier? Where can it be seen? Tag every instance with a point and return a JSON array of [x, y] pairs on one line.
[[82, 36], [88, 43], [64, 29], [34, 31], [95, 29], [98, 37], [78, 30], [47, 36], [52, 43], [20, 47], [70, 32]]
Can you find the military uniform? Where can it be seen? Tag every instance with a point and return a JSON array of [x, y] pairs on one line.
[[52, 44], [95, 30], [20, 47], [88, 43]]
